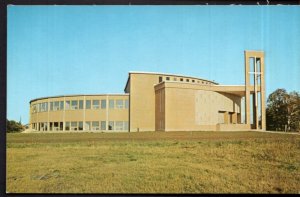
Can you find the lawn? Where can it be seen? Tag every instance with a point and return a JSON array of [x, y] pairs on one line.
[[153, 162]]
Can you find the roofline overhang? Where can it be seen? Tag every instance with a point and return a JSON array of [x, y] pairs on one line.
[[75, 95], [127, 82], [239, 90]]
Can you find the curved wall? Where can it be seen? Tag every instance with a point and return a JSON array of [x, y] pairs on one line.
[[80, 112]]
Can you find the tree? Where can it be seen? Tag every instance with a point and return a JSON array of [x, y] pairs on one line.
[[283, 111], [294, 111], [13, 126]]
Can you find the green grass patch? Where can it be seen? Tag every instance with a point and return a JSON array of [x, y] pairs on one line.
[[153, 162]]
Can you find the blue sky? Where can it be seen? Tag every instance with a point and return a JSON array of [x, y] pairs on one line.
[[57, 50]]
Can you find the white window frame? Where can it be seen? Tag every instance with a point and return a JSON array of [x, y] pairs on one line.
[[74, 107], [68, 105], [80, 101], [81, 125], [88, 101], [118, 125], [87, 126], [56, 107], [103, 104], [73, 127], [126, 104], [95, 127], [111, 104], [112, 124], [95, 106], [103, 125], [119, 104]]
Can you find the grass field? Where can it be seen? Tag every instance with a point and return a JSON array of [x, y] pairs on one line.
[[153, 162]]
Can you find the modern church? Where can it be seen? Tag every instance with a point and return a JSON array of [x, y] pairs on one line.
[[161, 102]]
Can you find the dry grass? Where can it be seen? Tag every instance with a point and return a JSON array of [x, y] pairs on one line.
[[153, 162]]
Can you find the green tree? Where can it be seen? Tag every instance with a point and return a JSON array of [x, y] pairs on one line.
[[13, 126], [294, 111], [283, 111]]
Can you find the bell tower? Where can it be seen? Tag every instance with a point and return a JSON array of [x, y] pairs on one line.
[[255, 113]]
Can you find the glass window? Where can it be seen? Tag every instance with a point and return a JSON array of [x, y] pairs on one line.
[[95, 125], [80, 125], [55, 126], [126, 104], [103, 125], [33, 108], [160, 79], [111, 104], [46, 106], [67, 126], [103, 104], [181, 79], [126, 125], [119, 125], [74, 105], [43, 126], [67, 104], [87, 126], [56, 106], [61, 126], [50, 126], [111, 125], [88, 104], [95, 104], [74, 126], [187, 80], [193, 81], [61, 107], [119, 104], [167, 78], [80, 104], [43, 107]]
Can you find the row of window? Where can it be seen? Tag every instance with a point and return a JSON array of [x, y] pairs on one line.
[[79, 104], [80, 125], [183, 79]]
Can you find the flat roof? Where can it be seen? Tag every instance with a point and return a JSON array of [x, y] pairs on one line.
[[73, 95], [170, 74], [260, 51]]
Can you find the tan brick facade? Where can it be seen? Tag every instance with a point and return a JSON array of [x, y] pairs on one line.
[[161, 102]]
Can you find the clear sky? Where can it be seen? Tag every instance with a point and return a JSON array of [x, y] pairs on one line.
[[58, 50]]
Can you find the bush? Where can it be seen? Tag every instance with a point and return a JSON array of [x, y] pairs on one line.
[[13, 126]]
